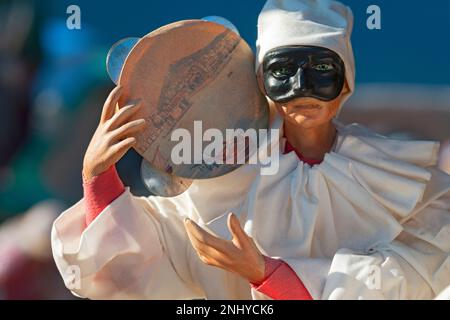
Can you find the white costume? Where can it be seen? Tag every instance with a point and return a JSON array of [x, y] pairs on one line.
[[372, 221]]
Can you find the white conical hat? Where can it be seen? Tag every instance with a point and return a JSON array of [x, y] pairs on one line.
[[323, 23]]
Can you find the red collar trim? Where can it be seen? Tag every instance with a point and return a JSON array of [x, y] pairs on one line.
[[289, 148]]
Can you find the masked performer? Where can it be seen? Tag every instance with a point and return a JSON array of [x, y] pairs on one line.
[[349, 215]]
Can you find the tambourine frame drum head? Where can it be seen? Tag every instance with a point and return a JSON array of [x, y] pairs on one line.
[[191, 71]]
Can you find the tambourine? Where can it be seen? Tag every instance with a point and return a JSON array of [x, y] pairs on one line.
[[189, 75]]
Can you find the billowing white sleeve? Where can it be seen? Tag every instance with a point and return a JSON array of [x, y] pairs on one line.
[[416, 265], [130, 251]]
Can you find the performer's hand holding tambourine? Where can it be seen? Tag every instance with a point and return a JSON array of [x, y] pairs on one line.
[[181, 74], [114, 136]]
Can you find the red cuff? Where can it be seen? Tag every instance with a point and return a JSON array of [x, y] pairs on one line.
[[281, 282], [100, 191]]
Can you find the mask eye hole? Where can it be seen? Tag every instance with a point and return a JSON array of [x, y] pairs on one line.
[[283, 72], [323, 67]]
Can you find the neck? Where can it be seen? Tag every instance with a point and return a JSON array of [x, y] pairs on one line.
[[312, 143]]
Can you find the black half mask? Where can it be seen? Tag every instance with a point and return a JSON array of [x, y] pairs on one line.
[[303, 71]]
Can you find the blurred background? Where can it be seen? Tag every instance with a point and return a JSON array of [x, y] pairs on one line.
[[53, 83]]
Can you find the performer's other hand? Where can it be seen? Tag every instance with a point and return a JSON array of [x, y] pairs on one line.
[[114, 136], [240, 255]]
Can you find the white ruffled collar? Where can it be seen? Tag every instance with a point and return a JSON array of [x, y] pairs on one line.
[[394, 172], [387, 179]]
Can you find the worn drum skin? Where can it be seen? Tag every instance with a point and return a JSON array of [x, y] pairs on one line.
[[189, 71]]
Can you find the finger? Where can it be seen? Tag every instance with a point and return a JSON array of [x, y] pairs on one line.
[[123, 114], [110, 104], [206, 238], [117, 151], [128, 129], [236, 230], [207, 253], [210, 255], [208, 260]]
